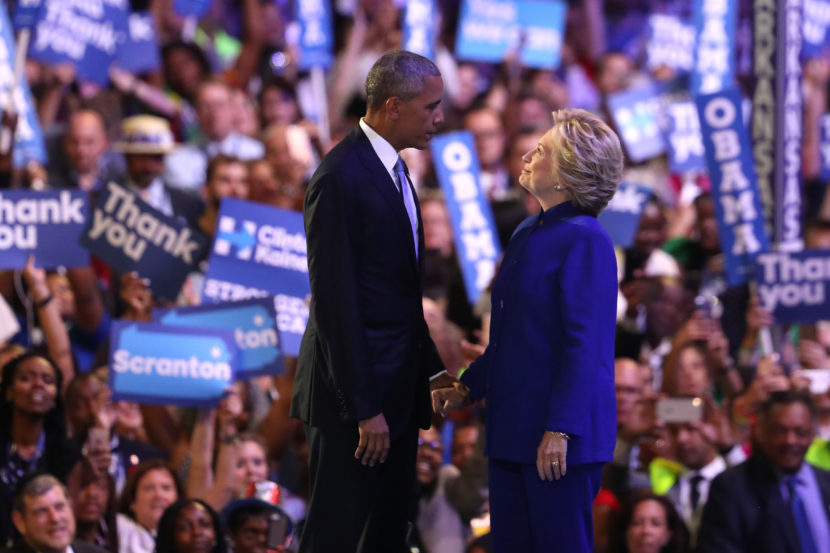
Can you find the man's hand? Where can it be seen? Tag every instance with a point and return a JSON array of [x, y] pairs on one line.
[[373, 445], [550, 456], [446, 399]]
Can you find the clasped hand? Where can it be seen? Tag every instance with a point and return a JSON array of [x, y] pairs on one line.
[[447, 398]]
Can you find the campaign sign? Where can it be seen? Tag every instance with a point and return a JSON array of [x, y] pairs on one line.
[[86, 33], [166, 365], [795, 286], [715, 23], [191, 8], [816, 21], [622, 215], [130, 235], [637, 115], [139, 53], [316, 40], [44, 224], [260, 251], [26, 13], [28, 137], [253, 324], [489, 29], [476, 240], [735, 192], [824, 146], [419, 20], [671, 43], [683, 139]]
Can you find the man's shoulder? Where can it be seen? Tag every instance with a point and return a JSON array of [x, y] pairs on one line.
[[345, 157]]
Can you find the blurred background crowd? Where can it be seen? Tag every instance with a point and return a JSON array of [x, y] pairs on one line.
[[228, 116]]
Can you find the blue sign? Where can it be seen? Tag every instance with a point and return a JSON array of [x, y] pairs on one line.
[[191, 8], [28, 136], [419, 27], [734, 188], [489, 29], [81, 32], [671, 43], [46, 224], [139, 53], [130, 235], [824, 147], [636, 114], [253, 324], [260, 251], [795, 286], [476, 240], [163, 365], [816, 21], [26, 13], [715, 22], [683, 139], [316, 40], [622, 215]]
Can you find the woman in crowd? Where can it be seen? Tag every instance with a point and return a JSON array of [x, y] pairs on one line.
[[149, 490], [649, 523], [94, 506], [190, 526], [32, 427]]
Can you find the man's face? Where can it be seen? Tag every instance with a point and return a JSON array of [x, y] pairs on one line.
[[690, 445], [489, 134], [628, 385], [213, 106], [429, 456], [419, 118], [47, 524], [143, 168], [229, 180], [785, 435], [251, 536], [463, 445], [85, 141]]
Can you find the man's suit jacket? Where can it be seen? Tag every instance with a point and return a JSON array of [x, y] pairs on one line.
[[78, 546], [745, 511], [366, 349], [550, 361]]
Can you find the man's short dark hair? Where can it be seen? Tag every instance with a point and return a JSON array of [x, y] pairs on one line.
[[788, 397], [35, 486], [398, 73], [243, 514], [219, 160]]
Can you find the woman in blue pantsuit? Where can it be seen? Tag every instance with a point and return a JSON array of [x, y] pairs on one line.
[[547, 374]]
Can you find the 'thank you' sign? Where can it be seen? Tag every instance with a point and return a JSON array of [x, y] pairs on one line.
[[795, 286]]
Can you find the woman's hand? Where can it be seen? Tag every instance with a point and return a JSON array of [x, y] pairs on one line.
[[550, 456]]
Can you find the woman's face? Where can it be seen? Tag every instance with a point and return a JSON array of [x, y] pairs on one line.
[[34, 388], [91, 502], [194, 531], [251, 465], [648, 531], [537, 175], [155, 492], [692, 374]]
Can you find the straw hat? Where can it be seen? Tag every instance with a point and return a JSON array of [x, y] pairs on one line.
[[145, 134]]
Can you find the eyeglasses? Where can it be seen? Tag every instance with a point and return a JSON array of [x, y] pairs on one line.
[[434, 445]]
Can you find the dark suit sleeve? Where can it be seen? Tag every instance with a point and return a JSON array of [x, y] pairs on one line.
[[587, 290], [720, 527], [332, 230], [475, 377]]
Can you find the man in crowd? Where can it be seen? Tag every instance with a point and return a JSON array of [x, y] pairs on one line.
[[87, 161], [227, 177], [774, 501], [43, 516]]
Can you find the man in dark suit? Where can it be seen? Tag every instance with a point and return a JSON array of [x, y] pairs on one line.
[[362, 383], [43, 516], [774, 502]]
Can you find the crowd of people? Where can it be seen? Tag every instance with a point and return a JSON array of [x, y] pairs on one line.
[[747, 472]]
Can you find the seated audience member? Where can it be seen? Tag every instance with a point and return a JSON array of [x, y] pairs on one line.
[[190, 526], [149, 490], [32, 427], [774, 501], [439, 524], [227, 177], [42, 514], [249, 523], [648, 523], [145, 142], [93, 502]]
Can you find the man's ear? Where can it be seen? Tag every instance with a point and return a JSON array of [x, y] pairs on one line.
[[17, 519], [392, 107]]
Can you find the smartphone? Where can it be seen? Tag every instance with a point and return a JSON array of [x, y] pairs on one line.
[[277, 530], [97, 439], [684, 409], [819, 379]]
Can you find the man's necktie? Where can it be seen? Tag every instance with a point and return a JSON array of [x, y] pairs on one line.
[[408, 199], [802, 522], [695, 495]]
